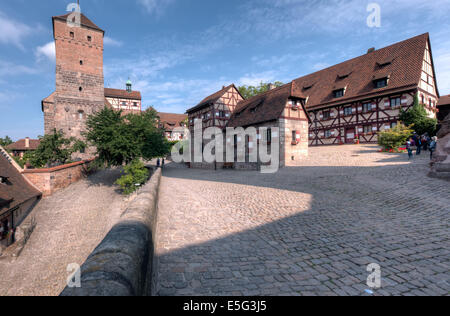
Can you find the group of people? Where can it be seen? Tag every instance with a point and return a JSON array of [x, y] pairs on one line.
[[158, 163], [419, 143]]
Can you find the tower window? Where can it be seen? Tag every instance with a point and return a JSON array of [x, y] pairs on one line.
[[80, 115], [80, 89], [72, 34], [89, 38], [81, 63]]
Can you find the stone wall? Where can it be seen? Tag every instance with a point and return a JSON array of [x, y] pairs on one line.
[[123, 263], [51, 180], [440, 166]]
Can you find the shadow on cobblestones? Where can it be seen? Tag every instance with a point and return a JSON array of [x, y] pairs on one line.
[[304, 231]]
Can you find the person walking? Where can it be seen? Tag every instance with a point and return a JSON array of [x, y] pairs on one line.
[[163, 163], [433, 146], [418, 143], [158, 163], [409, 147]]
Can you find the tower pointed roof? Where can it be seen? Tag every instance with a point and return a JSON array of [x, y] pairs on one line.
[[85, 21]]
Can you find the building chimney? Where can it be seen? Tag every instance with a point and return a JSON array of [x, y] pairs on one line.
[[272, 86], [371, 50], [27, 142]]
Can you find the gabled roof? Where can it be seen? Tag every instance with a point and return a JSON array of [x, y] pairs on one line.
[[401, 62], [171, 120], [444, 100], [84, 21], [20, 145], [265, 107], [17, 190], [213, 98], [122, 94]]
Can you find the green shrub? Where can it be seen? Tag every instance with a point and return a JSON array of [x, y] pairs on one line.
[[417, 118], [395, 137], [135, 175]]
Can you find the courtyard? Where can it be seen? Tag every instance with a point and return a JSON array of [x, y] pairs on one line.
[[70, 224], [311, 229]]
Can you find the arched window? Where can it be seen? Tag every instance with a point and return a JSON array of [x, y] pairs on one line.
[[80, 115]]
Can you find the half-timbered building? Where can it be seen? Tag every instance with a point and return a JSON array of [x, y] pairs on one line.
[[353, 101], [172, 124], [128, 101]]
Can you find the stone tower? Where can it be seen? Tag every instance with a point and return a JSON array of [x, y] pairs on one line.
[[79, 77]]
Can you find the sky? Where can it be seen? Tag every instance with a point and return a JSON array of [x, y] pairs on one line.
[[177, 52]]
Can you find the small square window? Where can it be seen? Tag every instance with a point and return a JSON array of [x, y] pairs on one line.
[[89, 38], [72, 34], [367, 129], [348, 111], [326, 115], [367, 107], [381, 83], [327, 134], [396, 102], [339, 93]]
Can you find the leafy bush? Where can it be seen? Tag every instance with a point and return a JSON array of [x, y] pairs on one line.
[[394, 138], [135, 175]]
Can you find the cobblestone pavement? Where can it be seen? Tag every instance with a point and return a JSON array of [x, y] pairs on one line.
[[70, 224], [307, 230]]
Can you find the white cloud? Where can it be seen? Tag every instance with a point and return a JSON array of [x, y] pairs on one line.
[[111, 42], [13, 32], [10, 69], [47, 51], [155, 6], [256, 78]]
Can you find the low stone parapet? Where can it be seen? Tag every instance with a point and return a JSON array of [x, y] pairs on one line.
[[51, 180], [122, 264]]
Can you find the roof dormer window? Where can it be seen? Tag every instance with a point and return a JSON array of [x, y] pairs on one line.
[[338, 93], [381, 83]]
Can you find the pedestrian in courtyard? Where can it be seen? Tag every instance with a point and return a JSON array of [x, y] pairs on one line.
[[163, 163], [409, 147], [425, 141], [158, 163], [433, 146], [418, 143]]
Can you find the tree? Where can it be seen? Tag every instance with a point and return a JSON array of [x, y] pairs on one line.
[[122, 139], [5, 141], [251, 91], [394, 138], [54, 149], [417, 118]]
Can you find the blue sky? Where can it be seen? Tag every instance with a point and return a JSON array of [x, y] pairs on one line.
[[179, 51]]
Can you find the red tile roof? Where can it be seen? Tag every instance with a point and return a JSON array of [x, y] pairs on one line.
[[213, 98], [20, 145], [171, 120], [122, 94], [402, 62], [16, 190], [265, 107], [84, 21], [444, 100]]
